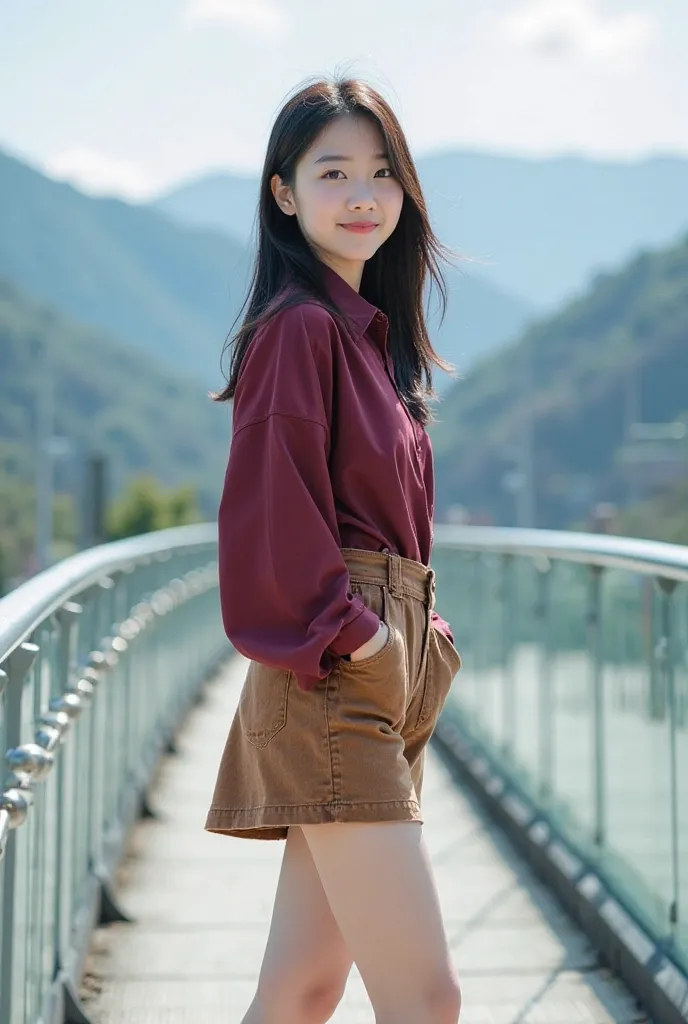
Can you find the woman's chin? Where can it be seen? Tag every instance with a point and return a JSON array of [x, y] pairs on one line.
[[359, 249]]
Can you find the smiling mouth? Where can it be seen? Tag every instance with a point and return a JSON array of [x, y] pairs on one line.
[[360, 227]]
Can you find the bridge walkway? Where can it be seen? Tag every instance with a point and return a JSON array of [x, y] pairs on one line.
[[201, 907]]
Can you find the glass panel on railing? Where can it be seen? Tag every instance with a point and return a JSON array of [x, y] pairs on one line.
[[526, 613], [3, 718], [636, 726], [488, 627], [107, 751], [568, 697], [680, 656], [457, 575], [575, 678]]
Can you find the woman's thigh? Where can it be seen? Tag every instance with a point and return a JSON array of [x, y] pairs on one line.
[[379, 884], [305, 956]]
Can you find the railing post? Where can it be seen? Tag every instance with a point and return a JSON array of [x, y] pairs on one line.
[[476, 628], [68, 619], [596, 653], [545, 680], [508, 695], [16, 799], [102, 599], [666, 660]]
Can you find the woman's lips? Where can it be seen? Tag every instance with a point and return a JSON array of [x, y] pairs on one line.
[[360, 227]]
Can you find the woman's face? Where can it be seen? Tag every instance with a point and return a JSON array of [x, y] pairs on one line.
[[345, 197]]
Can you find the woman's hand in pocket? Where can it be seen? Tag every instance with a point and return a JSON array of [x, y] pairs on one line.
[[372, 646]]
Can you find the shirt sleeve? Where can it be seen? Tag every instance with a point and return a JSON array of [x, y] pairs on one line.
[[284, 586]]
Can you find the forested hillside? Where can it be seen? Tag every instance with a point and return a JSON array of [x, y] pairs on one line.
[[618, 353], [169, 292], [108, 399]]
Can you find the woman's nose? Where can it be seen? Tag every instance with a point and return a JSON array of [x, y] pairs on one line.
[[362, 199]]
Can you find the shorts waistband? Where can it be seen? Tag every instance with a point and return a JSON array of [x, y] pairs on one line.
[[403, 576]]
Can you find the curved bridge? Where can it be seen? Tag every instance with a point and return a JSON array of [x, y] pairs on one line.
[[556, 797]]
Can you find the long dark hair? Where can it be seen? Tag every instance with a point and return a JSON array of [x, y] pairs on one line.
[[393, 279]]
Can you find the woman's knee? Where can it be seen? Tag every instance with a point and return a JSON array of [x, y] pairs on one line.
[[435, 1003], [444, 1001], [319, 1002], [310, 1002]]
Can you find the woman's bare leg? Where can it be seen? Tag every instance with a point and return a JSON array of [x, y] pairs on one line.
[[306, 961], [379, 885]]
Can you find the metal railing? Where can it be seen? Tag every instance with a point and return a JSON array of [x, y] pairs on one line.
[[575, 685], [574, 682], [100, 657]]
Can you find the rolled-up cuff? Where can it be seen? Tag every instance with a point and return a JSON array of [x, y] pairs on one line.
[[355, 633], [439, 623]]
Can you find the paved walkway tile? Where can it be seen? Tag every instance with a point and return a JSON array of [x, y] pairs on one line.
[[202, 904]]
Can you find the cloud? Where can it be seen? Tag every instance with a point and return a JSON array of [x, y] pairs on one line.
[[561, 28], [97, 174], [259, 16]]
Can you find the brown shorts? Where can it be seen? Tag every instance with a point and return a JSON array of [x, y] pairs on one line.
[[352, 748]]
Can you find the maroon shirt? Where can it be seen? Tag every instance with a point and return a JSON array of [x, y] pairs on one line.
[[324, 454]]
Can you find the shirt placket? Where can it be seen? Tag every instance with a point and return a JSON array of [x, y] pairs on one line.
[[387, 361]]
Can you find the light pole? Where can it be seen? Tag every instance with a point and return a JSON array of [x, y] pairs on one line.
[[45, 421], [525, 493], [631, 416]]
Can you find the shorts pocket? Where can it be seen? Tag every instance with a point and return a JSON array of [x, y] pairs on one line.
[[378, 684], [364, 663], [444, 662], [452, 655], [263, 703], [374, 690]]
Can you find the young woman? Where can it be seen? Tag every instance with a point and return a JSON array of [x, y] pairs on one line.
[[325, 532]]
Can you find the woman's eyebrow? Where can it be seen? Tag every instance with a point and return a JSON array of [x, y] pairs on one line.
[[335, 158]]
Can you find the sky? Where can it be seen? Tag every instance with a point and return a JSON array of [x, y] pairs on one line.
[[134, 97]]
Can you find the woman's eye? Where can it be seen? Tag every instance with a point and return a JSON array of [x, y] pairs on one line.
[[333, 175]]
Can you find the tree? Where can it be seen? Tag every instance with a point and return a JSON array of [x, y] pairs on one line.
[[663, 517], [18, 528], [146, 506]]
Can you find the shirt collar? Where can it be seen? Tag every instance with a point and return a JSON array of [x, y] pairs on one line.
[[349, 301]]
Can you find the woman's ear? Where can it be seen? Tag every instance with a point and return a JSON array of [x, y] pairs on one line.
[[283, 194]]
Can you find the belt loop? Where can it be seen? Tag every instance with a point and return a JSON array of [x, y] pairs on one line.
[[394, 574]]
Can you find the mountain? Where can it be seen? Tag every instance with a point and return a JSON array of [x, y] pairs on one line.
[[172, 289], [215, 202], [543, 227], [109, 399], [548, 226], [128, 270], [616, 355], [479, 318]]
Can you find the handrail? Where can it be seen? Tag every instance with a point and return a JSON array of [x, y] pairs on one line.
[[649, 557], [33, 601], [110, 647], [574, 687], [100, 657]]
